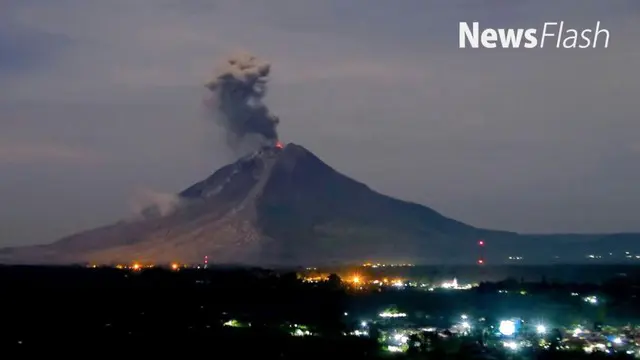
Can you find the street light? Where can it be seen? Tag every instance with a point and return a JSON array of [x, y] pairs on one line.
[[507, 327]]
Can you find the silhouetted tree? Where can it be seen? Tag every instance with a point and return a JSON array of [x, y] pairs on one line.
[[334, 281], [415, 344]]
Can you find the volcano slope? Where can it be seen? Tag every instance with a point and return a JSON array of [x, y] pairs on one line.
[[285, 207]]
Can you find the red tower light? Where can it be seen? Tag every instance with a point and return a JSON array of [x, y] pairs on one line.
[[481, 252]]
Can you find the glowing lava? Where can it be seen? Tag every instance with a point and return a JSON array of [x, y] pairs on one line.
[[279, 145]]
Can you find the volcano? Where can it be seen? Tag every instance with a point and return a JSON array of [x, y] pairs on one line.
[[280, 206]]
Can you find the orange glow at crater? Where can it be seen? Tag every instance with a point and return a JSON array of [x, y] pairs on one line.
[[279, 145]]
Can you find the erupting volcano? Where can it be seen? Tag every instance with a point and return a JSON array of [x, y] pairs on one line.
[[281, 205]]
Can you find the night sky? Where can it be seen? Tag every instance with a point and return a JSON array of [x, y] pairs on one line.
[[101, 100]]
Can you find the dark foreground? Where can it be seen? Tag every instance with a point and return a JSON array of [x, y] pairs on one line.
[[225, 313], [100, 311]]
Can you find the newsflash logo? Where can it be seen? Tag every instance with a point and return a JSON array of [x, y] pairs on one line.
[[554, 32]]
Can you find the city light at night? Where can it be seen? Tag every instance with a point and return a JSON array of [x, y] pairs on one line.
[[507, 327], [392, 315]]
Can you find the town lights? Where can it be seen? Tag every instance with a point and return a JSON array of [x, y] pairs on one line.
[[400, 338], [591, 300], [507, 327], [541, 329], [392, 315], [393, 348]]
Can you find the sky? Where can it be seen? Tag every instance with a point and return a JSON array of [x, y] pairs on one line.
[[102, 100]]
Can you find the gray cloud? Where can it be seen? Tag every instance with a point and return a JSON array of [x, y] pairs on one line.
[[520, 140]]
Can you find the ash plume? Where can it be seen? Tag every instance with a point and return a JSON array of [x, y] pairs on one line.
[[238, 88]]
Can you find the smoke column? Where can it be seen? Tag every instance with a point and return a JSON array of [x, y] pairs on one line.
[[238, 88]]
